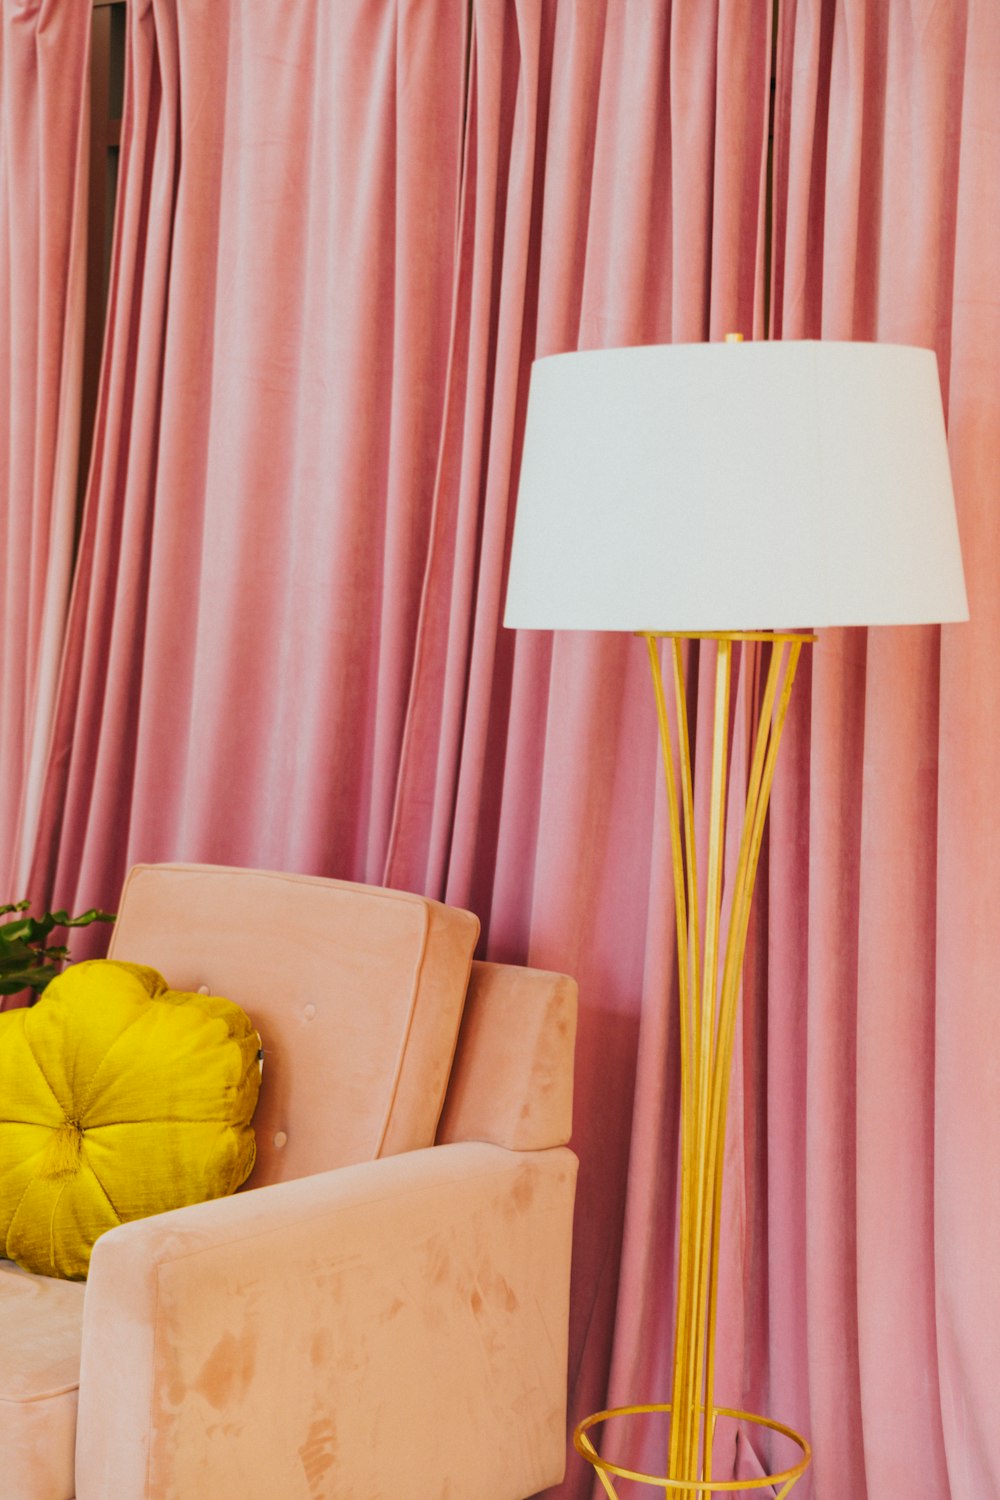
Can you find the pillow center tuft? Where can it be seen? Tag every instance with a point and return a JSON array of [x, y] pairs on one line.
[[62, 1155]]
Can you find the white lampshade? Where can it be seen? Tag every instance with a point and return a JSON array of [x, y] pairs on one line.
[[735, 486]]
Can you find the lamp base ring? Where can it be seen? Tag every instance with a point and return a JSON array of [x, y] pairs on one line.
[[696, 1487]]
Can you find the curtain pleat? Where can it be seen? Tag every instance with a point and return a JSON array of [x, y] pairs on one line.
[[883, 1220], [242, 627], [613, 194], [340, 243], [44, 60]]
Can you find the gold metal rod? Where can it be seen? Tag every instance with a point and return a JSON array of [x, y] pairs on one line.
[[716, 839], [757, 836], [682, 1330], [681, 1460], [680, 1429], [609, 1488], [756, 815], [713, 1229], [709, 978], [794, 654], [741, 892], [708, 1025], [583, 1445], [687, 788], [675, 824]]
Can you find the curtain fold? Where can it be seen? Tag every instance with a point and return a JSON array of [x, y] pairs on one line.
[[613, 194], [44, 102], [339, 245], [887, 164], [253, 545]]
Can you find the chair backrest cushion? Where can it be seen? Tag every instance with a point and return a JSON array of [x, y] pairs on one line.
[[512, 1079], [357, 993]]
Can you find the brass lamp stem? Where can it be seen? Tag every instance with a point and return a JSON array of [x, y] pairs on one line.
[[708, 1007]]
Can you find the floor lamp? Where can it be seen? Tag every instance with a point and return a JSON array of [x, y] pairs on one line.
[[730, 492]]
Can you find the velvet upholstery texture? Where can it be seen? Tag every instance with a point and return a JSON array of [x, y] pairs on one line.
[[876, 1259], [266, 439], [40, 1330], [397, 1326], [512, 1078], [303, 485], [357, 994], [281, 476], [120, 1098], [44, 99], [614, 194]]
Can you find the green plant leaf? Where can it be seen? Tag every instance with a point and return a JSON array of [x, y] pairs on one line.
[[26, 961], [63, 918], [28, 979]]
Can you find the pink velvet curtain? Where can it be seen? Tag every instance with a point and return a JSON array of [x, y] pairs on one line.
[[339, 246], [613, 194], [44, 53], [883, 1216], [241, 637]]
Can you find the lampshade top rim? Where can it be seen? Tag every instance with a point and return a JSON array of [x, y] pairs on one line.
[[715, 346]]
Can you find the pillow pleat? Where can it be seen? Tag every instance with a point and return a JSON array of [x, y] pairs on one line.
[[119, 1098]]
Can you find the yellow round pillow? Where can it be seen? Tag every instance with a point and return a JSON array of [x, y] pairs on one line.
[[119, 1098]]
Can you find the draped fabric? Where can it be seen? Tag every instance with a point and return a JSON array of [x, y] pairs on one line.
[[246, 598], [310, 410], [883, 1213], [341, 239], [44, 56], [613, 194]]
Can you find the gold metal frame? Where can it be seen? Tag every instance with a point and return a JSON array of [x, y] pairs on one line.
[[708, 1009], [786, 1478]]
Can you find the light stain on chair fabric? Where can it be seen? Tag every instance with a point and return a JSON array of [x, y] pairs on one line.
[[227, 1372], [319, 1453]]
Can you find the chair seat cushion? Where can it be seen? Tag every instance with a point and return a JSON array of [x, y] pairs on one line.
[[40, 1327], [121, 1098]]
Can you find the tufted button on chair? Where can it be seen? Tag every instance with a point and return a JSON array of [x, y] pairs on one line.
[[383, 1310]]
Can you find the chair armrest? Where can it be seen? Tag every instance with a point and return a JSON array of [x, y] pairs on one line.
[[396, 1328]]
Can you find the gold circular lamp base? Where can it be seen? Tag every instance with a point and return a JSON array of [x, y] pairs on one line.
[[697, 1487]]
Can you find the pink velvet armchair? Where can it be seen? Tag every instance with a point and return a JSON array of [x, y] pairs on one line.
[[383, 1311]]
